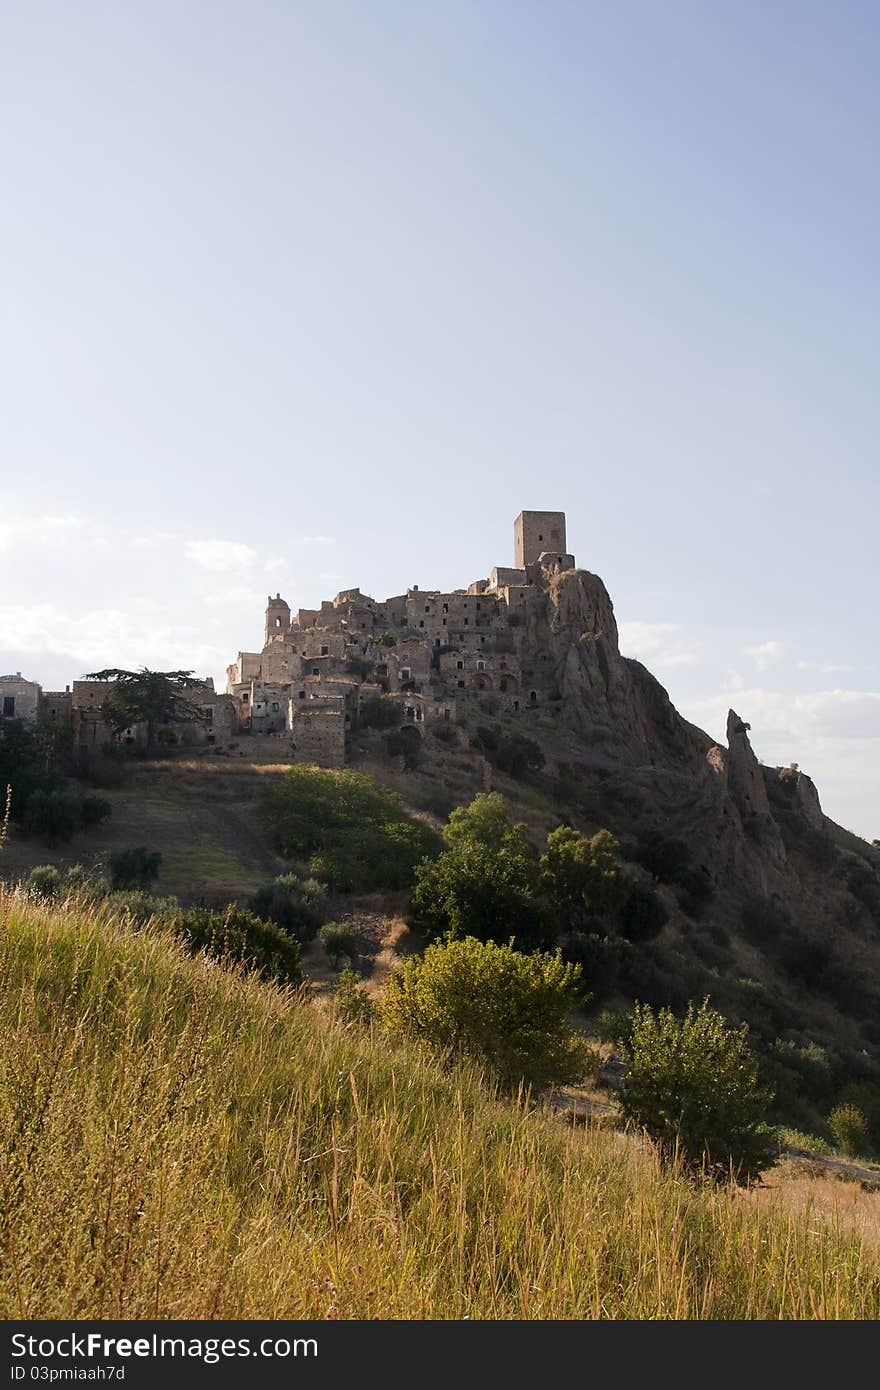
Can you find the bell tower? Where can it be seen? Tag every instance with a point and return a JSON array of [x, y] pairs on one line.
[[535, 532], [277, 618]]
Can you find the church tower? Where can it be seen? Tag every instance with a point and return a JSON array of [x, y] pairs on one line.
[[277, 617]]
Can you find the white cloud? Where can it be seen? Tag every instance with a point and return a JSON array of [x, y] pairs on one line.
[[316, 540], [825, 670], [37, 530], [764, 654], [659, 643], [220, 556], [275, 563], [108, 637]]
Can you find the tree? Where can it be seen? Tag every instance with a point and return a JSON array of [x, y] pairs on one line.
[[692, 1083], [491, 1002], [486, 883], [148, 697], [643, 913], [405, 742], [582, 876]]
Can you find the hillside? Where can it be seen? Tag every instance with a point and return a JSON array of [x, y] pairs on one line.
[[180, 1141]]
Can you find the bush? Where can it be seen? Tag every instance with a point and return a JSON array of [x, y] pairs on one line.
[[507, 1009], [142, 907], [643, 914], [44, 881], [694, 890], [340, 941], [599, 957], [53, 816], [664, 856], [352, 1002], [850, 1130], [692, 1083], [237, 936], [511, 753], [764, 921], [95, 810], [134, 868], [297, 905]]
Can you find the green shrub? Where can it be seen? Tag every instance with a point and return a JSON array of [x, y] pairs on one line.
[[134, 868], [53, 816], [850, 1130], [694, 890], [599, 957], [141, 907], [511, 753], [664, 856], [236, 936], [95, 810], [764, 921], [297, 905], [340, 941], [44, 881], [350, 999], [616, 1026], [643, 914], [508, 1010], [692, 1084]]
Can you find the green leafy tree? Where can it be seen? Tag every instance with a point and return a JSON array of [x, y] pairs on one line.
[[135, 868], [582, 876], [151, 698], [509, 1010], [693, 1084], [32, 759], [486, 883]]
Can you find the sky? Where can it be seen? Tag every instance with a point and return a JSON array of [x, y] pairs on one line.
[[301, 296]]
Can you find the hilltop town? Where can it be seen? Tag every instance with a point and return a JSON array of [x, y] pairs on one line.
[[319, 669]]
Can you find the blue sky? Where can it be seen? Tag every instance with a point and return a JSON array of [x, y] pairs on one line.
[[301, 296]]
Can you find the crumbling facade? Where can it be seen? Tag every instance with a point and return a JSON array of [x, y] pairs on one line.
[[433, 652]]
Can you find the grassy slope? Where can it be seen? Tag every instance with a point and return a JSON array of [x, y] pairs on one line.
[[202, 816], [178, 1141]]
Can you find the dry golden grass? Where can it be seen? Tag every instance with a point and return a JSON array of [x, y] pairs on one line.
[[180, 1141]]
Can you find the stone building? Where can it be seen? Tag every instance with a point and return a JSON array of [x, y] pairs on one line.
[[19, 698], [91, 731], [434, 652]]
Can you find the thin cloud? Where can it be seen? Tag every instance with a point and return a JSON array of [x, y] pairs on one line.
[[220, 556], [764, 654], [661, 644], [38, 530]]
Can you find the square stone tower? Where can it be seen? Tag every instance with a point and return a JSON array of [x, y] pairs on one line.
[[535, 532]]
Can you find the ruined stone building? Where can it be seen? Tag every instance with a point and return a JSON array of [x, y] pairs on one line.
[[81, 708], [434, 652]]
